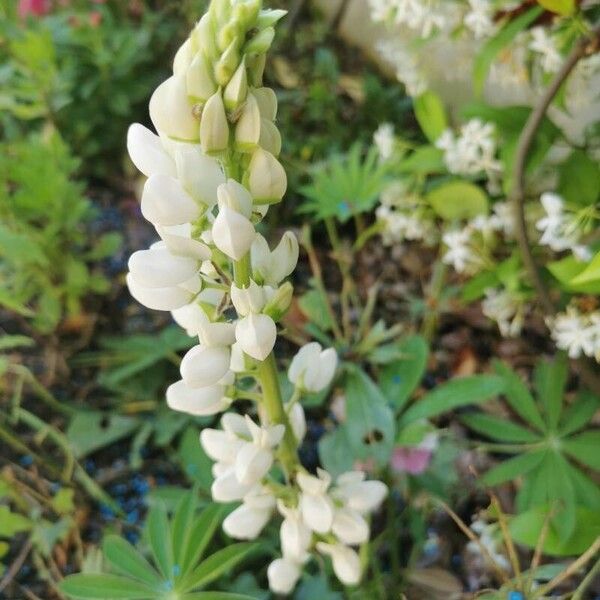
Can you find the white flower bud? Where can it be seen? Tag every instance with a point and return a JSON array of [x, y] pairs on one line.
[[267, 178], [183, 57], [284, 258], [238, 360], [248, 300], [147, 152], [297, 420], [359, 495], [247, 129], [188, 317], [237, 89], [168, 298], [313, 368], [283, 576], [232, 233], [199, 402], [279, 302], [346, 563], [248, 520], [200, 175], [214, 129], [261, 42], [270, 138], [246, 13], [228, 64], [236, 197], [220, 445], [269, 17], [267, 102], [227, 488], [203, 366], [256, 69], [315, 504], [199, 78], [294, 534], [256, 334], [165, 202], [350, 527], [203, 36], [158, 268], [177, 238], [171, 111], [215, 334]]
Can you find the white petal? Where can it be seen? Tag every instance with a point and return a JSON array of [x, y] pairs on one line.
[[200, 175], [252, 463], [232, 233], [171, 111], [256, 334], [283, 576], [147, 153], [227, 488], [219, 445], [189, 317], [364, 497], [177, 239], [295, 538], [169, 298], [158, 268], [246, 523], [350, 527], [203, 365], [317, 512], [199, 402], [165, 202], [346, 563]]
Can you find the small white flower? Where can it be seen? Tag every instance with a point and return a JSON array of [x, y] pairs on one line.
[[346, 562], [237, 88], [256, 335], [479, 19], [272, 267], [248, 520], [199, 78], [384, 140], [283, 575], [267, 178], [233, 233], [543, 44], [165, 202], [247, 129], [313, 368], [576, 333], [199, 402], [204, 365], [199, 174], [506, 308], [158, 268], [214, 129], [147, 152], [295, 536], [315, 504], [459, 253], [167, 298], [171, 111], [250, 299], [358, 494], [236, 197]]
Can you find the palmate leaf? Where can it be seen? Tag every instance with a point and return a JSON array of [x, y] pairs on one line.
[[86, 586], [455, 393], [518, 396], [216, 596], [499, 429], [216, 565], [550, 379], [124, 559], [159, 536], [579, 413], [585, 447]]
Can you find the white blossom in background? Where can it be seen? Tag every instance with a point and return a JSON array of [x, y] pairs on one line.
[[506, 308], [384, 140], [473, 151], [459, 251], [406, 65], [489, 539], [559, 230], [480, 18], [212, 174], [577, 333], [544, 45]]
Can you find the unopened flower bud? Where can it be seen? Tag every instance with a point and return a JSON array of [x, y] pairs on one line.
[[313, 368], [199, 78], [220, 10], [214, 129], [204, 37], [270, 138], [267, 102], [228, 64], [261, 42], [203, 365], [267, 179], [199, 402], [246, 13], [158, 268], [235, 196], [233, 233], [248, 127], [256, 334], [171, 111], [250, 299], [268, 18], [183, 57], [256, 69], [346, 563], [284, 258], [237, 89], [165, 202], [248, 520], [278, 305], [228, 34]]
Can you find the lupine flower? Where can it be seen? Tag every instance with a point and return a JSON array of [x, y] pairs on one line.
[[543, 44], [313, 368], [384, 140], [577, 333], [506, 308]]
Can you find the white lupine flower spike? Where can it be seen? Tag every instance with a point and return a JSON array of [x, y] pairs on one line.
[[212, 172]]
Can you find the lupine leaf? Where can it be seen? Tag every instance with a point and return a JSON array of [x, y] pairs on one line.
[[585, 448], [550, 380], [579, 413], [86, 586], [203, 529], [513, 467], [497, 428], [159, 536], [126, 560]]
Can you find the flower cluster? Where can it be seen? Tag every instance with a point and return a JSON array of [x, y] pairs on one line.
[[473, 151], [506, 308], [559, 230], [578, 333], [212, 173]]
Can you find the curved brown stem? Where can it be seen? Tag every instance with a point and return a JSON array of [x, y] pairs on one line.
[[585, 46]]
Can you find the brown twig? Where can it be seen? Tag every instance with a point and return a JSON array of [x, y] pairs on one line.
[[16, 564], [585, 46], [339, 15]]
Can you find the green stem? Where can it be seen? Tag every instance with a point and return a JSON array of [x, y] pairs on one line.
[[587, 581], [273, 405], [436, 286], [241, 271]]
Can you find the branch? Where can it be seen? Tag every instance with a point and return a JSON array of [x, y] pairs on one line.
[[585, 46]]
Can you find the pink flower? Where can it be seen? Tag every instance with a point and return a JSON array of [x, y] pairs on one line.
[[95, 18], [38, 8], [410, 460]]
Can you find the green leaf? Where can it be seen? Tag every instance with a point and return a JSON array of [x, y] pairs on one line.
[[579, 413], [10, 342], [400, 379], [201, 534], [458, 199], [519, 397], [562, 493], [590, 274], [431, 115], [579, 181], [586, 490], [335, 451], [493, 47], [550, 378], [216, 565], [584, 447], [124, 559], [455, 393], [513, 467], [369, 421], [12, 523], [159, 536], [567, 269], [560, 7], [526, 529], [497, 428], [423, 161], [183, 520], [194, 461], [100, 587], [314, 306], [216, 596]]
